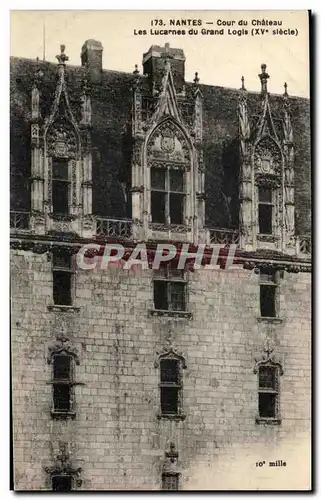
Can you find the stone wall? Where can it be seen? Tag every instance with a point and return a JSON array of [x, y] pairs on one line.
[[116, 437]]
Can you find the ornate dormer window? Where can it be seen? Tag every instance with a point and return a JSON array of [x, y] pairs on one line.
[[171, 365], [268, 182], [268, 371], [167, 161], [263, 197]]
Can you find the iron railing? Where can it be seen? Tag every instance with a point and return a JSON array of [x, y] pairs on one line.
[[304, 245], [224, 236], [117, 228], [19, 220]]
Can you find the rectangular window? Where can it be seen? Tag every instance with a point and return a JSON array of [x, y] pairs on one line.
[[170, 386], [60, 186], [170, 289], [61, 397], [62, 279], [268, 294], [265, 210], [268, 391], [170, 482], [62, 367], [61, 482], [167, 196], [62, 382]]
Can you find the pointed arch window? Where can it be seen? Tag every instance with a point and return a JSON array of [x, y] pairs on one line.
[[169, 158]]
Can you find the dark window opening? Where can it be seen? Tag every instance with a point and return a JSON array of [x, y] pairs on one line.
[[169, 400], [61, 367], [176, 208], [268, 391], [169, 371], [265, 194], [267, 300], [265, 219], [62, 260], [160, 295], [167, 196], [176, 181], [61, 397], [265, 210], [62, 483], [267, 377], [158, 207], [267, 405], [60, 186], [158, 178], [62, 288], [177, 292], [170, 386], [170, 482], [170, 289]]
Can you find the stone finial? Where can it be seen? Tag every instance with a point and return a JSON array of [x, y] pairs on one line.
[[62, 58], [264, 76], [242, 86], [285, 90], [196, 78], [136, 70], [38, 73]]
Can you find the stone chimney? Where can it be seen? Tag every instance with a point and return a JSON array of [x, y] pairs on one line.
[[92, 57], [154, 63]]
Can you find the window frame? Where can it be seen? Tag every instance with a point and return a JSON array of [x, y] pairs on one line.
[[169, 279], [171, 354], [69, 382], [67, 181], [273, 282], [63, 475], [177, 385], [68, 270], [271, 361], [170, 475], [167, 195], [271, 204], [276, 418]]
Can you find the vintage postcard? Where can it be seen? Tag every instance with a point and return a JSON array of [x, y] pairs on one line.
[[160, 242]]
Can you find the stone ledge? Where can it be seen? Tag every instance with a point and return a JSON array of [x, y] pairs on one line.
[[62, 415], [268, 421], [171, 314], [266, 319], [58, 308], [169, 416]]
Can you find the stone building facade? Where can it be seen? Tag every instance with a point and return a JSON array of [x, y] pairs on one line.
[[167, 379]]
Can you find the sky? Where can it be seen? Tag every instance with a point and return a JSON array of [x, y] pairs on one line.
[[220, 59]]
